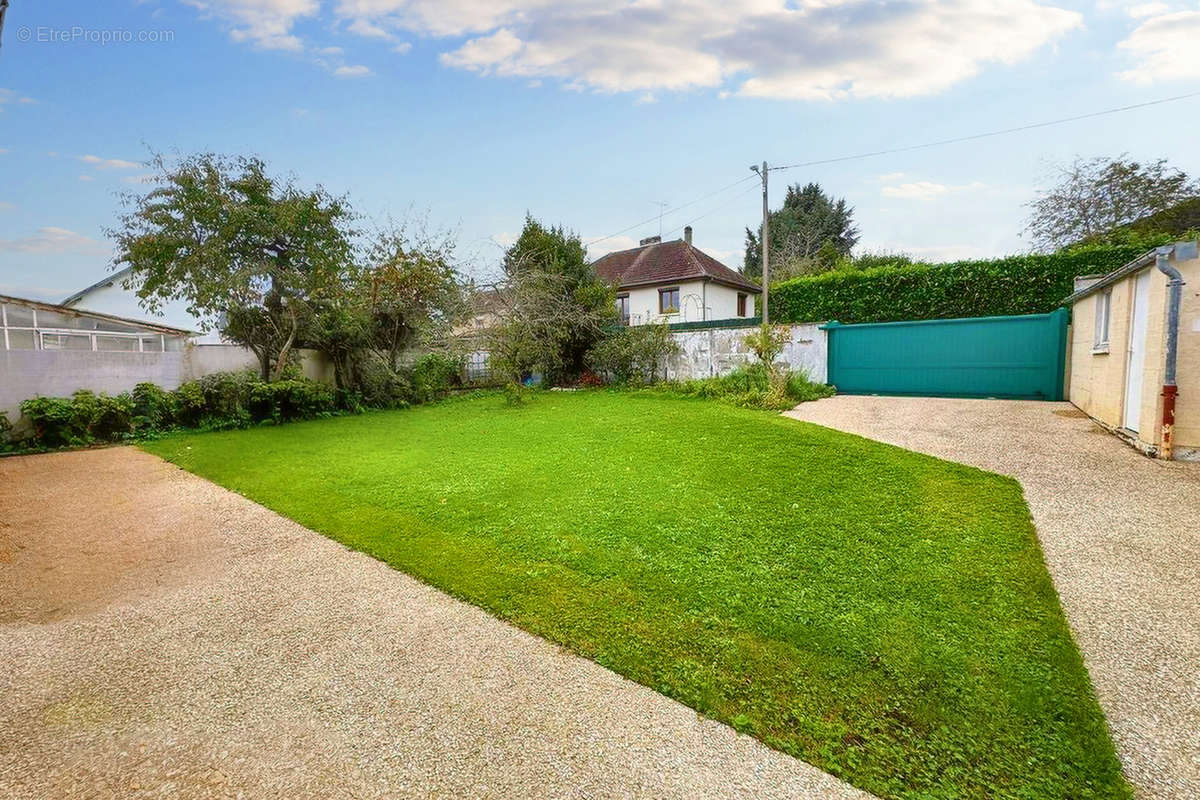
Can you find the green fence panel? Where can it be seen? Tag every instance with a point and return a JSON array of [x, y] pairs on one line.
[[1015, 357]]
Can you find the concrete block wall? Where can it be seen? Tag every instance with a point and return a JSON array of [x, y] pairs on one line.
[[713, 352], [61, 373]]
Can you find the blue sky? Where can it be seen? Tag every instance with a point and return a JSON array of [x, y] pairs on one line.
[[584, 113]]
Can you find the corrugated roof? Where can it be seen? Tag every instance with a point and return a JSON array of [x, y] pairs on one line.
[[667, 262]]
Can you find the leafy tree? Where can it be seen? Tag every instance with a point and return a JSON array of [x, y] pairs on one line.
[[404, 293], [411, 288], [1094, 199], [808, 235], [233, 242], [553, 308], [635, 354]]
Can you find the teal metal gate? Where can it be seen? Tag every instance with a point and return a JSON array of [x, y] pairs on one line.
[[1016, 357]]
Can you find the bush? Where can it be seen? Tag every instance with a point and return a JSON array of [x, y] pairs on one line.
[[1032, 284], [290, 400], [635, 354], [517, 394], [154, 408], [53, 422], [6, 433], [378, 386], [218, 402], [754, 386], [101, 417], [767, 342], [434, 375]]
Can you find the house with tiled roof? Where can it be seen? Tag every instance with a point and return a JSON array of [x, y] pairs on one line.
[[674, 281]]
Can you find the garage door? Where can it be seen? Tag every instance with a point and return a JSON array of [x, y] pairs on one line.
[[1016, 357]]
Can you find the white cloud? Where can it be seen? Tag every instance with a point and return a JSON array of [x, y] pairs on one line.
[[352, 71], [108, 163], [8, 96], [945, 252], [53, 240], [87, 178], [610, 245], [917, 190], [402, 48], [791, 49], [265, 23], [1147, 10], [6, 206], [1164, 48], [369, 29]]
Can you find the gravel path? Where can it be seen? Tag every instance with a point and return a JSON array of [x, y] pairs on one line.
[[161, 636], [1121, 536]]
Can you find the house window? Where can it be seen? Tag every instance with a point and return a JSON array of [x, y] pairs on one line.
[[1103, 315], [741, 312], [623, 308], [668, 300]]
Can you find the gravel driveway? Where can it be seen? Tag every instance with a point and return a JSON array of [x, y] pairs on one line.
[[161, 636], [1121, 536]]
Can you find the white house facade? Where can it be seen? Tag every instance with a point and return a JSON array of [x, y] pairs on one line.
[[112, 295], [675, 282]]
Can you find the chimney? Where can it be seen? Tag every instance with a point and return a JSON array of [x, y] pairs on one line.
[[687, 233], [649, 240]]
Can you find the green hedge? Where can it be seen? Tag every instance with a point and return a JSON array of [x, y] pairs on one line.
[[1032, 284]]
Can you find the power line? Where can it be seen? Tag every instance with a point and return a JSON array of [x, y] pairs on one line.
[[670, 211], [1018, 129], [890, 151]]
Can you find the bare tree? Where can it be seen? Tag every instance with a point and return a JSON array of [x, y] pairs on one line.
[[1093, 197]]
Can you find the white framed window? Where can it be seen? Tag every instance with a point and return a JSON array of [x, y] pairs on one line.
[[1103, 318]]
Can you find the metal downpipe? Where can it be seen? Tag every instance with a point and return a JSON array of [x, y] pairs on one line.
[[1170, 390]]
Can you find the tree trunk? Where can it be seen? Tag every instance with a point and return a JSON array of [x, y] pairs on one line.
[[281, 361]]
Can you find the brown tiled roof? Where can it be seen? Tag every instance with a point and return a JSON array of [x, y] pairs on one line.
[[667, 262]]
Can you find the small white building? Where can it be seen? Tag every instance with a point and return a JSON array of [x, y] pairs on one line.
[[675, 282], [115, 295]]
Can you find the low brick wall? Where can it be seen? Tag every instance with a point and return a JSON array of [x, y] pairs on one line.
[[716, 351]]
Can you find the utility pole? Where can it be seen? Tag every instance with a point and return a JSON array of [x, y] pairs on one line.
[[766, 250], [3, 8]]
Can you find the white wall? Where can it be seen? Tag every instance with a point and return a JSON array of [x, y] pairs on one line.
[[698, 301], [61, 373], [124, 303], [718, 351]]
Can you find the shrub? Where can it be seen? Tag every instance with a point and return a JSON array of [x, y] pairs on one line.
[[53, 422], [635, 354], [103, 417], [1030, 284], [217, 402], [517, 394], [289, 400], [154, 408], [6, 433], [434, 375], [380, 387], [753, 386], [767, 342]]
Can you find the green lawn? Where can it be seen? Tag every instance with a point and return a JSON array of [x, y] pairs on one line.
[[884, 615]]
